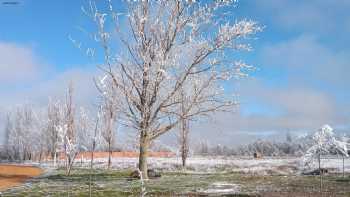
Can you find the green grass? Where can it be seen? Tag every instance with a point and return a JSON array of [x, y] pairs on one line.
[[117, 183]]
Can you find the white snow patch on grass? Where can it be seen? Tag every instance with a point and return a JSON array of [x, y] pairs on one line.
[[222, 188], [263, 166]]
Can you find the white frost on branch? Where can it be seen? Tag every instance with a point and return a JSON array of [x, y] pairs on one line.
[[169, 46], [66, 144], [324, 142]]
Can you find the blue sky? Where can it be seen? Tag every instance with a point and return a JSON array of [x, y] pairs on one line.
[[302, 58]]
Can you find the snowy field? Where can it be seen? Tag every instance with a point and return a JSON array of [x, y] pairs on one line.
[[204, 176], [263, 166]]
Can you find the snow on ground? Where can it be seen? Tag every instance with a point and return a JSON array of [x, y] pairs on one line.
[[263, 166], [222, 188]]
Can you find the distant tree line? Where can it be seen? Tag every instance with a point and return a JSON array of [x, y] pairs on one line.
[[291, 146]]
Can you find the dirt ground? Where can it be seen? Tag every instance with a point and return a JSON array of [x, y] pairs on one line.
[[12, 175]]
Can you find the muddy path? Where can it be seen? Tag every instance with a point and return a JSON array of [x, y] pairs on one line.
[[13, 175]]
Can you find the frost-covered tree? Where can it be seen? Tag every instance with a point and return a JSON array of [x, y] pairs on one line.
[[324, 142], [24, 133], [167, 45], [96, 138], [85, 130], [55, 115], [89, 132], [8, 146], [67, 132], [345, 142], [39, 141], [109, 108]]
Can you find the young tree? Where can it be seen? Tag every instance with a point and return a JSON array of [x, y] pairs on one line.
[[67, 132], [88, 137], [38, 139], [345, 150], [324, 142], [24, 126], [109, 109], [96, 137], [109, 130], [55, 116], [93, 148], [85, 130], [172, 44]]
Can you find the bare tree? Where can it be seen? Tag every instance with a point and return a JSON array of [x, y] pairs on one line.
[[8, 135], [55, 115], [85, 130], [169, 45], [109, 132], [94, 140], [24, 133], [109, 109], [41, 147], [93, 147], [96, 137], [67, 132]]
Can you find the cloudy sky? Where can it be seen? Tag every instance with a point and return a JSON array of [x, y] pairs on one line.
[[302, 58]]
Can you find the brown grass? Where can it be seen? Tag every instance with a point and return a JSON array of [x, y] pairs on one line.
[[13, 175]]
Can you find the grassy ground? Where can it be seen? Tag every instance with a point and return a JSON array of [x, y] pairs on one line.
[[117, 183]]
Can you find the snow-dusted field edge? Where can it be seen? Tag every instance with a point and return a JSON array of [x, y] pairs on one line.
[[283, 166]]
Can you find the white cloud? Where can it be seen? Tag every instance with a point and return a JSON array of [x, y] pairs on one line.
[[18, 64], [315, 82], [24, 77], [306, 58], [298, 110], [85, 92], [325, 17]]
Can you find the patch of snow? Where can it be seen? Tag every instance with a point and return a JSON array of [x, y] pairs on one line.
[[264, 166], [222, 188]]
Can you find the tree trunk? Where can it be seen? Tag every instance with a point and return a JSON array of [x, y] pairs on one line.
[[40, 156], [91, 168], [319, 169], [184, 141], [184, 162], [67, 165], [343, 167], [109, 154], [70, 164], [184, 131], [319, 163], [92, 160], [144, 143], [54, 159]]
